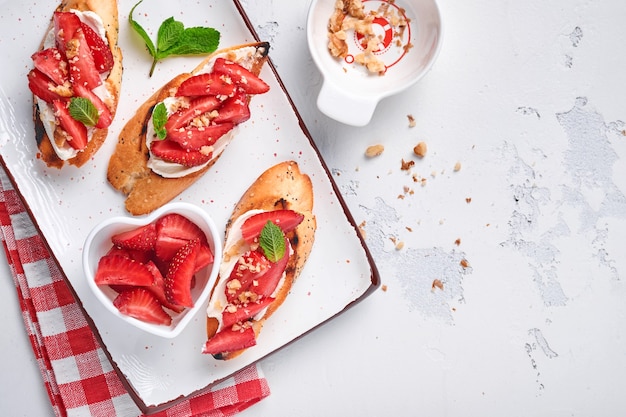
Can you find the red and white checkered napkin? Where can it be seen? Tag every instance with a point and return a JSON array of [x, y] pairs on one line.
[[78, 376]]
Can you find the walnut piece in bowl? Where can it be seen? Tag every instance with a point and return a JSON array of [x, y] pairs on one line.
[[369, 50]]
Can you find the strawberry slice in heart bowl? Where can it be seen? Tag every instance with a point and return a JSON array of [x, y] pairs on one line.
[[154, 272]]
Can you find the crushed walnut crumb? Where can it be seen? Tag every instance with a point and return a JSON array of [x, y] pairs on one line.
[[406, 165], [374, 150], [411, 120], [384, 287], [362, 229], [350, 15], [464, 263], [420, 149], [457, 167], [437, 284]]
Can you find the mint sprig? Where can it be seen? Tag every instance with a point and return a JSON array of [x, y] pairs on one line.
[[272, 241], [159, 118], [84, 111], [174, 39]]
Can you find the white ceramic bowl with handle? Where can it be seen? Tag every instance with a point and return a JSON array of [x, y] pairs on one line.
[[98, 243], [349, 92]]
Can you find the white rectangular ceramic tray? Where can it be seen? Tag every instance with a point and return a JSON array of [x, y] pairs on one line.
[[65, 204]]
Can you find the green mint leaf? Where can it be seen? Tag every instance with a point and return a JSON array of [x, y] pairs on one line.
[[169, 34], [272, 241], [141, 31], [174, 39], [159, 118], [195, 41], [84, 111]]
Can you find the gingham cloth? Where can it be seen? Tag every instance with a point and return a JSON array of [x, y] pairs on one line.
[[78, 377]]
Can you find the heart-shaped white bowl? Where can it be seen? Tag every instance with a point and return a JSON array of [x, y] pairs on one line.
[[98, 243], [349, 93]]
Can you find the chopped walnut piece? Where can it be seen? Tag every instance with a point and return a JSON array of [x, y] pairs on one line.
[[420, 149], [457, 242], [406, 165], [464, 263], [350, 15], [437, 284], [411, 120], [457, 167], [384, 287], [374, 150]]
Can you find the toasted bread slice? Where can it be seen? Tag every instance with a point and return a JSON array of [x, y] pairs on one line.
[[282, 186], [107, 10], [128, 169]]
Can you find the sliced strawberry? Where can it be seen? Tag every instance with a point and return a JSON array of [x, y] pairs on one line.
[[265, 285], [142, 305], [65, 26], [140, 238], [194, 138], [52, 63], [178, 226], [245, 79], [234, 110], [42, 86], [229, 341], [100, 51], [205, 257], [172, 152], [166, 247], [211, 84], [244, 312], [158, 288], [287, 220], [196, 108], [105, 118], [76, 131], [247, 270], [180, 274], [135, 255], [71, 40], [119, 270]]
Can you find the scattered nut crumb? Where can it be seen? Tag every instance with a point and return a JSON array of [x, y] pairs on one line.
[[374, 150], [464, 263], [399, 245], [384, 287], [457, 241], [406, 165], [468, 200], [362, 229], [437, 284], [411, 120], [457, 167], [408, 228], [420, 149]]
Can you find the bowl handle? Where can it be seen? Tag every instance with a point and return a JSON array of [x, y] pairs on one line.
[[345, 108]]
